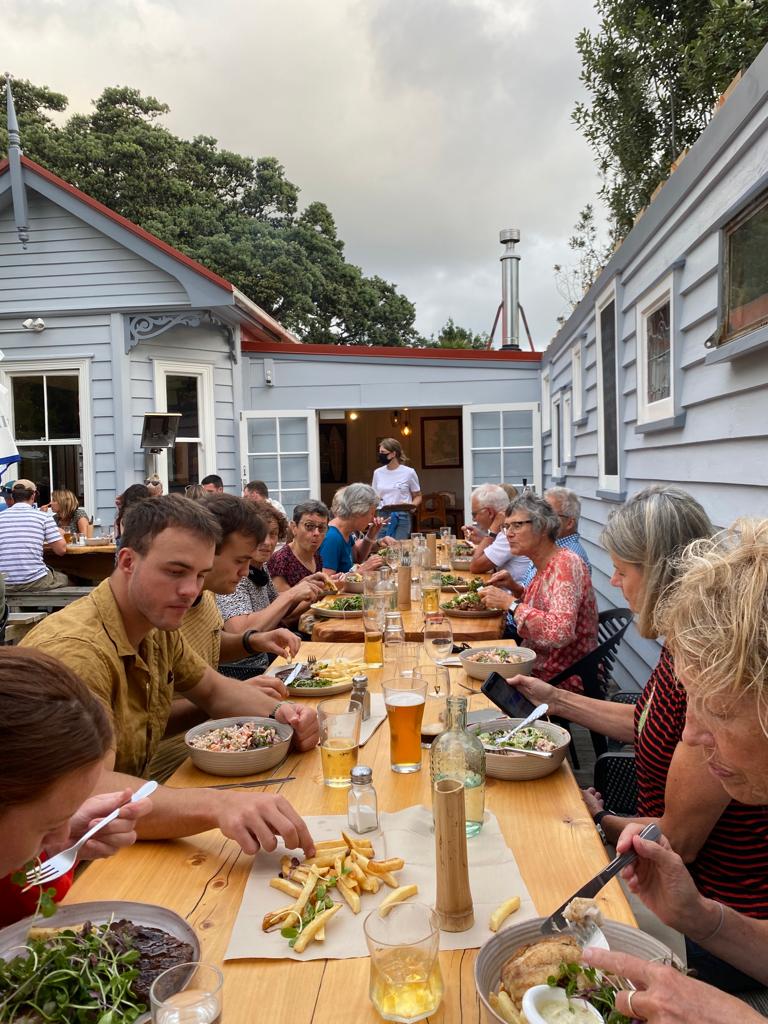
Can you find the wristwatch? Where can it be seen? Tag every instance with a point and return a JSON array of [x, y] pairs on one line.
[[598, 817], [514, 606], [247, 640], [493, 534]]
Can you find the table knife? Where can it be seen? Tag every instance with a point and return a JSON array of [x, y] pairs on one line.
[[293, 673], [250, 785], [557, 922]]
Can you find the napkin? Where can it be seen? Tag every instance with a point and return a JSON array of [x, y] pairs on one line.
[[377, 716], [493, 877]]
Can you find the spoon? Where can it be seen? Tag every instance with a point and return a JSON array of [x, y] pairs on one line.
[[542, 709]]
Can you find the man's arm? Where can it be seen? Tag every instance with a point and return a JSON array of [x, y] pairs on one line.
[[480, 561], [273, 641]]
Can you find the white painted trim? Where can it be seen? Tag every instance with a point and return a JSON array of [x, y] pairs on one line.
[[161, 368], [577, 379], [535, 411], [651, 412], [607, 482], [567, 425], [556, 435], [313, 443], [11, 368], [546, 422]]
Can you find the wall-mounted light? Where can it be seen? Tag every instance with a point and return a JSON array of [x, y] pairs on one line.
[[37, 325], [353, 415], [395, 418], [269, 372]]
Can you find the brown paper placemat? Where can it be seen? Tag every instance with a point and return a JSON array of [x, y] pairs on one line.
[[493, 878]]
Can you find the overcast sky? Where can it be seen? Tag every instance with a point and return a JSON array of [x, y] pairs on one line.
[[425, 125]]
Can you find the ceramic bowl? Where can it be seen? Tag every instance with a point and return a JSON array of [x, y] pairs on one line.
[[539, 997], [521, 766], [245, 762], [481, 670]]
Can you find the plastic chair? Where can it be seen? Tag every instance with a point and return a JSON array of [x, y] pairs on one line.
[[595, 669], [616, 781], [431, 512]]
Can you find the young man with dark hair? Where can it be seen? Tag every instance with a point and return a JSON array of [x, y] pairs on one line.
[[124, 640], [258, 492], [212, 484]]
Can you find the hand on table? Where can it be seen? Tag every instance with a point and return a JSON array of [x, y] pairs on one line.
[[303, 721], [665, 996], [255, 820], [119, 833], [371, 564], [494, 597]]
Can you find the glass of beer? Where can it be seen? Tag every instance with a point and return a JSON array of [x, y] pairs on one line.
[[404, 698], [373, 628], [430, 592], [339, 722], [405, 983], [187, 992]]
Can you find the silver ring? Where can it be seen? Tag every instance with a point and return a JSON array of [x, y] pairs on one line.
[[632, 1013]]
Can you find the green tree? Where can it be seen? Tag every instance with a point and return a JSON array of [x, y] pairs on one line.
[[238, 216], [453, 336], [574, 280], [655, 69]]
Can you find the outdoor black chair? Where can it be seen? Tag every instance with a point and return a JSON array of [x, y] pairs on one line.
[[595, 669], [616, 782]]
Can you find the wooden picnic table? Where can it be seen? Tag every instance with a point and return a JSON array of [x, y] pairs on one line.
[[90, 563], [545, 823]]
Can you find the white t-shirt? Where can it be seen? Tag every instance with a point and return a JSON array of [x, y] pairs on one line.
[[498, 552], [396, 486]]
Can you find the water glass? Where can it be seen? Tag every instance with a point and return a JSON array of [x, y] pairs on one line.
[[430, 591], [339, 722], [404, 698], [187, 994], [405, 983], [438, 637]]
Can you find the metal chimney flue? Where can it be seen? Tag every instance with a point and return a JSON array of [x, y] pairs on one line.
[[510, 289]]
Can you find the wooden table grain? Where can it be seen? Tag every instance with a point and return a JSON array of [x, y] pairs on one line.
[[545, 824]]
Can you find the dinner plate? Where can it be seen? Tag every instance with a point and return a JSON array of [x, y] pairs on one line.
[[476, 613], [70, 915], [319, 691], [334, 613]]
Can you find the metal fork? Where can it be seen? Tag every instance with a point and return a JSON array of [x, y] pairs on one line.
[[62, 862], [311, 660]]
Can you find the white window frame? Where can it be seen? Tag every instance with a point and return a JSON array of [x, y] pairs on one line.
[[556, 436], [546, 423], [607, 482], [651, 412], [206, 409], [567, 422], [577, 381], [533, 408], [312, 452], [17, 368]]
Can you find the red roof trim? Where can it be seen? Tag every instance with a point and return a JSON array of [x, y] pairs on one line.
[[123, 222], [355, 351]]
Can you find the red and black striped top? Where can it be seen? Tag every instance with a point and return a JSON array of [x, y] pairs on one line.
[[732, 865]]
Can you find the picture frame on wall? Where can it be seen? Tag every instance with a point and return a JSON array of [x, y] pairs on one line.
[[441, 446]]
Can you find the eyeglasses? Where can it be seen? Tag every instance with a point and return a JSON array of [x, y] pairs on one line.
[[315, 527], [515, 526]]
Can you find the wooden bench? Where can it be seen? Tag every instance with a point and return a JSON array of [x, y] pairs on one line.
[[58, 598], [20, 623]]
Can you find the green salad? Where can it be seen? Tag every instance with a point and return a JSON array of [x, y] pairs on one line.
[[353, 603], [591, 985], [529, 738]]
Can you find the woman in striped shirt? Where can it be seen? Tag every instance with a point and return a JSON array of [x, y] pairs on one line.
[[725, 843]]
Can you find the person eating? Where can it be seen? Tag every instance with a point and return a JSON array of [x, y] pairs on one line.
[[354, 511], [68, 514], [300, 557], [490, 504]]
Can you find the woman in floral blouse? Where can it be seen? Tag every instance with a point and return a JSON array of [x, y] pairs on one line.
[[557, 615]]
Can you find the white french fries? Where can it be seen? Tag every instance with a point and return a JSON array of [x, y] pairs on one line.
[[283, 885], [404, 892], [318, 924], [502, 912], [503, 1005]]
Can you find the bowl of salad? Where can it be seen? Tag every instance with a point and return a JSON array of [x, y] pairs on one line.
[[479, 662], [238, 746], [532, 753]]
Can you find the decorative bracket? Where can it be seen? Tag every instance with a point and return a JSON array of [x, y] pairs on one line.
[[148, 326]]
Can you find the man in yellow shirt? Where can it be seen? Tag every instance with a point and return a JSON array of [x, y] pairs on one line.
[[124, 640]]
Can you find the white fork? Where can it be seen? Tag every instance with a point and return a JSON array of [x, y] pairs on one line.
[[62, 862]]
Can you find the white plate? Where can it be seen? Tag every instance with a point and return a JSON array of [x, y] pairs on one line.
[[334, 613], [319, 691]]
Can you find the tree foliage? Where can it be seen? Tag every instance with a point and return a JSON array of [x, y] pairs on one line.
[[238, 216], [453, 336], [574, 280], [655, 69]]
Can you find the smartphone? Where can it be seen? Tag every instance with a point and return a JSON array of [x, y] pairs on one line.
[[511, 701]]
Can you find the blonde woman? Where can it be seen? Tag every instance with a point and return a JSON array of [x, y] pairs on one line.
[[716, 624], [68, 515], [396, 484]]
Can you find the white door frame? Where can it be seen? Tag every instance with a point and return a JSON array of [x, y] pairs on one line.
[[313, 446], [535, 411], [206, 409]]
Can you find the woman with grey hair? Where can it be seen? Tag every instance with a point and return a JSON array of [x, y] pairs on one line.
[[557, 615], [354, 510]]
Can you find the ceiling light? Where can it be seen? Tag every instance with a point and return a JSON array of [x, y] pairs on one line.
[[353, 415]]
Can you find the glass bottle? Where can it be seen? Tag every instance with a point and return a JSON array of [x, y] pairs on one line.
[[386, 588], [362, 803], [458, 754]]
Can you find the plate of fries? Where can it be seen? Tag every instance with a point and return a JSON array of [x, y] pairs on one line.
[[323, 678], [341, 876]]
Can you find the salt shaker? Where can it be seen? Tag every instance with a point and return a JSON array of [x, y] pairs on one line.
[[362, 803], [361, 695]]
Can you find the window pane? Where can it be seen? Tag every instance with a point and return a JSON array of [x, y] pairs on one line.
[[295, 470], [518, 465], [63, 408], [658, 336], [293, 434], [28, 409], [292, 498], [486, 430], [34, 466], [67, 463], [486, 468], [609, 398], [262, 467], [262, 436], [183, 466], [748, 273], [518, 429], [181, 396]]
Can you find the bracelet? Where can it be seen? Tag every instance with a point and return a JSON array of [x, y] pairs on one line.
[[718, 926], [273, 712], [247, 640]]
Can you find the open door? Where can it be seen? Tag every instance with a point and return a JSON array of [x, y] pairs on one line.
[[281, 449], [502, 445]]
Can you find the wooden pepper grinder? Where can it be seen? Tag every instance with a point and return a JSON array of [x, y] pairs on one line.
[[404, 588], [432, 549], [453, 904]]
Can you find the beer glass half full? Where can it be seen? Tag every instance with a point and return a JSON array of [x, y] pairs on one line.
[[404, 699]]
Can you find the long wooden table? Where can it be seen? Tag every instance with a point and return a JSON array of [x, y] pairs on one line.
[[91, 563], [350, 631], [202, 878]]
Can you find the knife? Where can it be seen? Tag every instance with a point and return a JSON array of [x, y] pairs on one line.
[[293, 673], [557, 922], [249, 785]]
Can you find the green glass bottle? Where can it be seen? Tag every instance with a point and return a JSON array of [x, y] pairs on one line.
[[458, 754]]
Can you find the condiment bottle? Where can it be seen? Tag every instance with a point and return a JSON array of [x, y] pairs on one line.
[[361, 695], [362, 803], [459, 754]]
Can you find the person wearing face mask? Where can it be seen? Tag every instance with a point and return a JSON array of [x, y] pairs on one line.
[[396, 484]]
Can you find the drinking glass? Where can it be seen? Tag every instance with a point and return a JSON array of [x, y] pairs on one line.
[[404, 697], [438, 637], [405, 984], [373, 629], [438, 680], [430, 591], [339, 722], [187, 994]]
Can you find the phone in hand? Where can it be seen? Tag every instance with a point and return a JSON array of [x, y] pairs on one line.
[[511, 701]]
